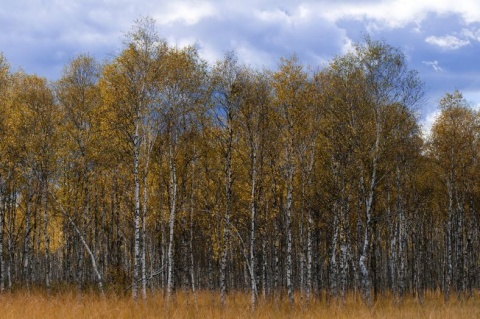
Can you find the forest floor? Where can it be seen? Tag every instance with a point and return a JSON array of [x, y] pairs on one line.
[[69, 305]]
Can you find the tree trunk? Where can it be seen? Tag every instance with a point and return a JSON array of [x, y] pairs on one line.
[[333, 273], [191, 227], [228, 207], [253, 208], [173, 209], [144, 230], [136, 249], [288, 220]]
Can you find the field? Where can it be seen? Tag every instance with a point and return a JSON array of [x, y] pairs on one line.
[[70, 305]]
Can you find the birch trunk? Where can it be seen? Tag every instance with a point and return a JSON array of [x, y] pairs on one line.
[[253, 208], [144, 231], [333, 257], [276, 260], [191, 227], [91, 254], [264, 268], [173, 210], [82, 235], [448, 235], [136, 249], [343, 231], [369, 192], [365, 275], [228, 204], [308, 287], [288, 219], [26, 245], [80, 269]]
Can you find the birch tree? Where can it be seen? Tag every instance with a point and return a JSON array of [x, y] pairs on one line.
[[226, 82], [452, 147], [79, 97], [182, 99], [253, 120], [36, 110], [5, 90], [127, 84], [290, 86]]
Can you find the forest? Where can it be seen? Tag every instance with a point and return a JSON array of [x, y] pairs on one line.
[[157, 171]]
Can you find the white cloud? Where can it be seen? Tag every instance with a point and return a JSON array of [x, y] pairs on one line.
[[395, 13], [347, 45], [472, 33], [263, 30], [434, 64], [187, 12], [427, 123], [449, 42]]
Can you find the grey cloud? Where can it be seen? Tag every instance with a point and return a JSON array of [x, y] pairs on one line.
[[43, 36]]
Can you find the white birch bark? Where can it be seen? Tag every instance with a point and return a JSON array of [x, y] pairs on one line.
[[333, 257], [171, 223], [144, 222], [369, 192], [308, 286], [288, 217], [253, 208], [136, 217], [83, 240], [228, 204], [191, 227], [26, 245], [448, 234]]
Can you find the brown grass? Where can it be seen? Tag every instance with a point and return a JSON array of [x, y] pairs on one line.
[[69, 305]]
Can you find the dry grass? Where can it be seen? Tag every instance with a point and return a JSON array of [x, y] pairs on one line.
[[69, 305]]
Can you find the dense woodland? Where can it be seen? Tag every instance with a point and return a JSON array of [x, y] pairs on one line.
[[158, 171]]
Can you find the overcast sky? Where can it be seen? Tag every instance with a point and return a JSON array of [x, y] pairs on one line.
[[441, 38]]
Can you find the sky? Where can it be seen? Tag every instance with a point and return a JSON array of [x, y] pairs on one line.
[[440, 38]]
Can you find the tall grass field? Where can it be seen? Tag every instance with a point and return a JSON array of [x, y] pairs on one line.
[[67, 305]]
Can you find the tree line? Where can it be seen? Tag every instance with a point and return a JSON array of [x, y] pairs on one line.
[[158, 171]]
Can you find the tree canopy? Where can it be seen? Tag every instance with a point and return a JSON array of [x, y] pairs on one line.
[[156, 170]]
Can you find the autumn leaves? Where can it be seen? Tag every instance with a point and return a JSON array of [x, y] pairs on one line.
[[156, 170]]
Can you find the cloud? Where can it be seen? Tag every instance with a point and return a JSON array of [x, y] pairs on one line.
[[448, 42], [380, 15], [471, 33], [42, 36], [187, 12], [427, 123], [434, 64]]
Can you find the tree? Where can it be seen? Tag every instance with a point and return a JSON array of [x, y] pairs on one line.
[[253, 117], [38, 142], [290, 87], [78, 95], [453, 150], [128, 89], [182, 101], [227, 82], [373, 78], [5, 90]]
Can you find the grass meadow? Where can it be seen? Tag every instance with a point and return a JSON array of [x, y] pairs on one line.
[[67, 305]]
